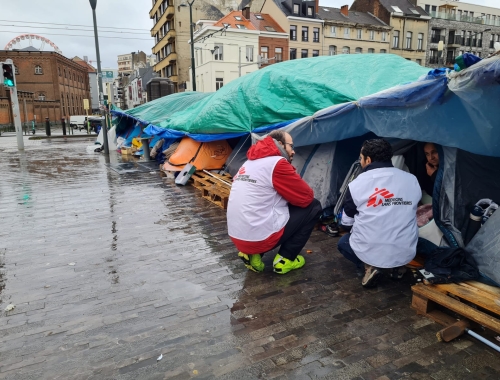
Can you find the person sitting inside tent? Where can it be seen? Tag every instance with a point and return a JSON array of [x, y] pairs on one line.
[[428, 178], [270, 205], [380, 208]]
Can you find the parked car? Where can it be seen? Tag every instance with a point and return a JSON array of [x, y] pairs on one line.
[[96, 123], [78, 122]]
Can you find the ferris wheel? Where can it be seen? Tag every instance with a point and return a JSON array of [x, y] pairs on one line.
[[34, 40]]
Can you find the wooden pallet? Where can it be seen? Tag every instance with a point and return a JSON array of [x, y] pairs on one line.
[[213, 190], [473, 300]]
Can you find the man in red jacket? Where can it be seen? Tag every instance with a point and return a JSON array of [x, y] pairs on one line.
[[270, 205]]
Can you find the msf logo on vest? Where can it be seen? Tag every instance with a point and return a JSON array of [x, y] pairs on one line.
[[241, 176], [379, 197], [383, 197]]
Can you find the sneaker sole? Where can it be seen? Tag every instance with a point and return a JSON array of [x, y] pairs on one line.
[[373, 280]]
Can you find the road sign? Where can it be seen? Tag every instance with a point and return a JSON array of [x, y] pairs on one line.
[[108, 76], [86, 104]]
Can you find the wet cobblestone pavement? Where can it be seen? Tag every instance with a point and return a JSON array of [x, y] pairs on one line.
[[108, 271]]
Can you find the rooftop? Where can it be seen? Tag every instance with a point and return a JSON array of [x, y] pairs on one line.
[[334, 14]]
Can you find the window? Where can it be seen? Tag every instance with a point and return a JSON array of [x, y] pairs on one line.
[[16, 69], [333, 31], [315, 53], [219, 83], [270, 29], [346, 50], [293, 54], [371, 51], [420, 41], [383, 51], [278, 55], [264, 50], [384, 36], [293, 32], [249, 53], [395, 39], [419, 61], [310, 11], [259, 17], [59, 71], [238, 18], [332, 50], [358, 33], [305, 33], [241, 26], [347, 32], [218, 52], [408, 39], [296, 9], [371, 34], [169, 70], [227, 26], [427, 8], [315, 34], [38, 70], [359, 50], [41, 96], [304, 53]]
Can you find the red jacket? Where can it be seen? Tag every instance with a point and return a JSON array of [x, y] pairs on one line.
[[287, 183]]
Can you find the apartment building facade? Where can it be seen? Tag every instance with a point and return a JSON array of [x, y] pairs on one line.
[[409, 23], [300, 20], [461, 28], [353, 32]]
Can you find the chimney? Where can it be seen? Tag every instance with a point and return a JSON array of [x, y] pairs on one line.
[[246, 12], [317, 7], [344, 9], [85, 58]]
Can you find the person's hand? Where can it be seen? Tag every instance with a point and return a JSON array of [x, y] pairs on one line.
[[431, 169]]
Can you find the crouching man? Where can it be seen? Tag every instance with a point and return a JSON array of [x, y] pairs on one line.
[[270, 205], [380, 207]]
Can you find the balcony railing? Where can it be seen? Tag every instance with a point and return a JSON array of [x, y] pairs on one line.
[[459, 40], [433, 60], [435, 39], [456, 17]]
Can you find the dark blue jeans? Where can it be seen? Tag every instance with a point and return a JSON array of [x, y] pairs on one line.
[[346, 250]]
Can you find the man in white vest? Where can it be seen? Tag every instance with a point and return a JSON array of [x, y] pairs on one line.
[[380, 208], [270, 206]]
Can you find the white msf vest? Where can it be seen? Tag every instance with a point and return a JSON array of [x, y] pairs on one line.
[[385, 231], [255, 209]]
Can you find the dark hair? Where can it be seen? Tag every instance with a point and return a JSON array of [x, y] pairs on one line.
[[278, 136], [379, 150]]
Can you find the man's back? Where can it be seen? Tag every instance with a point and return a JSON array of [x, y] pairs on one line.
[[385, 231]]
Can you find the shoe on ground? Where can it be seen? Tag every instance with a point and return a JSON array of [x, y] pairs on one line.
[[371, 277], [282, 265], [252, 262], [397, 273]]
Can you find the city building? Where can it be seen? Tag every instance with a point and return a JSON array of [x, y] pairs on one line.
[[135, 91], [171, 34], [462, 27], [299, 18], [409, 23], [235, 45], [353, 32], [93, 83], [127, 62], [55, 86]]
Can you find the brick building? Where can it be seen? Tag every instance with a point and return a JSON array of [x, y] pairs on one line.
[[52, 86]]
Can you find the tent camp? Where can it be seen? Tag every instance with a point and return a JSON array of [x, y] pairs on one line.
[[460, 111]]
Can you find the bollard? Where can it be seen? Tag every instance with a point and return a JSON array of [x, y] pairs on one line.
[[47, 126], [145, 148], [63, 123]]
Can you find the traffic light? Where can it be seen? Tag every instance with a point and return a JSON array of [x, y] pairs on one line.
[[8, 76]]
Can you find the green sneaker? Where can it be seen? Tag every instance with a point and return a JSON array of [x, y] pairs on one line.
[[252, 262], [282, 265]]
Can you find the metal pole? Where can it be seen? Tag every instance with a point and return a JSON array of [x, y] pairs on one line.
[[193, 75], [93, 4], [17, 118], [239, 61], [25, 114]]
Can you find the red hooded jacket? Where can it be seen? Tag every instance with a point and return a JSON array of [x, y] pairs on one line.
[[287, 183]]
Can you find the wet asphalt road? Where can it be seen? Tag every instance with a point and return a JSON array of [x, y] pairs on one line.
[[112, 266]]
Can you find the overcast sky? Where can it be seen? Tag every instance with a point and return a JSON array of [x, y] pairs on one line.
[[124, 15]]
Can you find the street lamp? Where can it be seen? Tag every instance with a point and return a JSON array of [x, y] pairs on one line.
[[474, 36], [193, 76], [93, 4]]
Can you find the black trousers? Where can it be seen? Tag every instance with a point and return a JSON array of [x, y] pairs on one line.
[[298, 229]]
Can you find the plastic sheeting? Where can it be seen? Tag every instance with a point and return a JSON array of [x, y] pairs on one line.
[[461, 111]]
